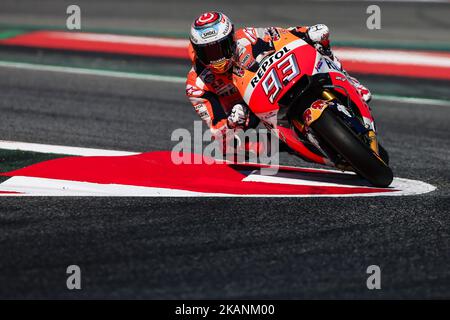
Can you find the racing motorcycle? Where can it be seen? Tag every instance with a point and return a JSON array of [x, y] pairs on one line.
[[310, 105]]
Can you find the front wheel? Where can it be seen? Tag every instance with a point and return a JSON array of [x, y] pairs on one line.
[[330, 129]]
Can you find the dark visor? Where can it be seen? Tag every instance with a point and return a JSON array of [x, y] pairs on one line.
[[215, 51]]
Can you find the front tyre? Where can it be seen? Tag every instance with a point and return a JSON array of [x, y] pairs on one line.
[[340, 138]]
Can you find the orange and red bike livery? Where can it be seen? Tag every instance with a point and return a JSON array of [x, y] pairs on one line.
[[299, 92], [213, 95]]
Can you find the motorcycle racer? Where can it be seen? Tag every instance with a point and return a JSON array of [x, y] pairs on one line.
[[217, 50]]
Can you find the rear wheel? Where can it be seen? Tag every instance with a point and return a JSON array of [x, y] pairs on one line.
[[341, 139]]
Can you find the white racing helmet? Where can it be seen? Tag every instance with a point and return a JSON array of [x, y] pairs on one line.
[[212, 37]]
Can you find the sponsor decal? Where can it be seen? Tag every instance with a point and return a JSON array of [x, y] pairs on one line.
[[238, 71], [193, 91], [268, 62], [332, 65], [307, 117], [227, 29], [245, 59], [221, 85], [226, 90], [199, 106], [204, 115], [274, 34], [241, 49], [343, 109], [314, 112], [202, 111], [209, 77], [209, 33], [251, 34], [194, 39], [319, 104], [319, 65]]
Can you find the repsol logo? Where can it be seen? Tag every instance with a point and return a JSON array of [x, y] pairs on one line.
[[267, 63]]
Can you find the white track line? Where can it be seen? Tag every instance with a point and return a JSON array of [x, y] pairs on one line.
[[173, 79], [32, 186], [56, 149], [413, 100], [117, 38], [96, 72], [397, 57]]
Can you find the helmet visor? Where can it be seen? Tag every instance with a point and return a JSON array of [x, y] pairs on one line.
[[214, 52]]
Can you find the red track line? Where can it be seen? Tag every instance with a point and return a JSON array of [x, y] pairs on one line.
[[75, 41], [57, 40]]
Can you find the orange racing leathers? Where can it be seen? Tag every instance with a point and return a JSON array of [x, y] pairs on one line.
[[213, 95]]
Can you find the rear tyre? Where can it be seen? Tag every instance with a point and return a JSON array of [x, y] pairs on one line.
[[341, 139], [383, 154]]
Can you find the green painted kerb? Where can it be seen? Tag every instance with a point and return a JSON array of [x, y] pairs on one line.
[[17, 159], [9, 33]]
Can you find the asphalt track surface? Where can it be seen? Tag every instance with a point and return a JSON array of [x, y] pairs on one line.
[[210, 247]]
